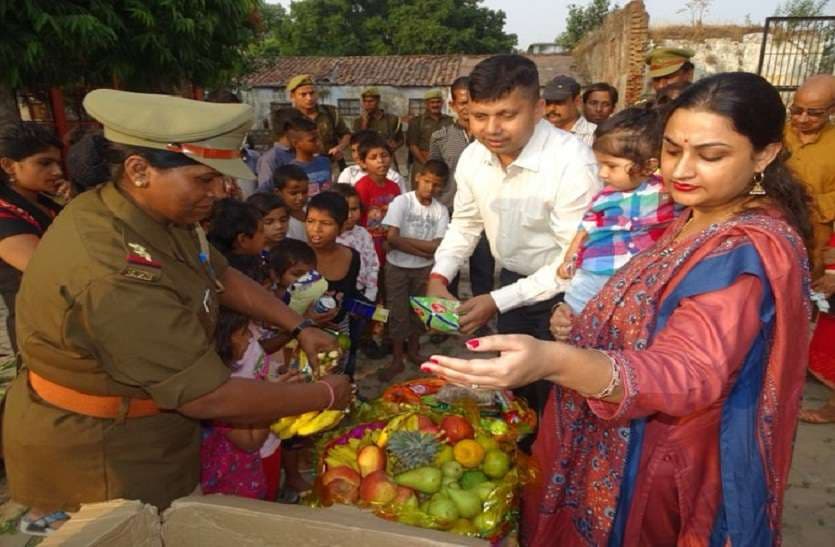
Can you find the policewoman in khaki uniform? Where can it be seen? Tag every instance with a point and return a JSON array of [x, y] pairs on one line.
[[116, 315]]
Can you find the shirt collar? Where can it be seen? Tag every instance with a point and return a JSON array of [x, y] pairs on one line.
[[154, 233]]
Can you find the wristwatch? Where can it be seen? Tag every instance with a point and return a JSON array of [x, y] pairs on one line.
[[301, 326]]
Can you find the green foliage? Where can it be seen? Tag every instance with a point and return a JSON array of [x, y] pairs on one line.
[[139, 44], [583, 19], [385, 27], [802, 8]]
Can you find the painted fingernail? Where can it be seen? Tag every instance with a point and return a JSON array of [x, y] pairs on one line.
[[472, 344], [433, 361], [424, 368]]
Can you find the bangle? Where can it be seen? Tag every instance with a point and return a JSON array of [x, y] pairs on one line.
[[439, 277], [330, 391], [614, 382]]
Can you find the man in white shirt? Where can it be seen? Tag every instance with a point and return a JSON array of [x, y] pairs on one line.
[[527, 185], [562, 108]]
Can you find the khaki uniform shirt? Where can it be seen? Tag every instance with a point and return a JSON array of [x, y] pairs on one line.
[[387, 125], [421, 129], [94, 318], [331, 126], [814, 164]]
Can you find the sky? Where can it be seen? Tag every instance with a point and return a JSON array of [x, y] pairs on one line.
[[542, 20]]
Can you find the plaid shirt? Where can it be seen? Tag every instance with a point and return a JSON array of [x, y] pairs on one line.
[[620, 225]]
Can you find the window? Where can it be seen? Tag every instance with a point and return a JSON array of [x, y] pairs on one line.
[[349, 108], [416, 107]]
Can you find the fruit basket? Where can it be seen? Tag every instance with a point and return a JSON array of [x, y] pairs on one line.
[[435, 462]]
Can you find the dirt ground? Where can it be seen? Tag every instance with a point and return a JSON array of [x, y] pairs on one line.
[[809, 516]]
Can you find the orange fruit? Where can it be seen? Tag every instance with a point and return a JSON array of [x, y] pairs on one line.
[[468, 453]]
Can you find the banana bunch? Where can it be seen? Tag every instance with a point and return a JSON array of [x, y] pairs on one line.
[[344, 455], [306, 424], [407, 421]]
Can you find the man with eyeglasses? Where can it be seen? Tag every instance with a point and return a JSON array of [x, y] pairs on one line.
[[810, 139]]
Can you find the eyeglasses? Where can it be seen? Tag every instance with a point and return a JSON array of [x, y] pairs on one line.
[[811, 112]]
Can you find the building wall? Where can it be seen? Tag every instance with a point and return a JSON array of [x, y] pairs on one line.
[[614, 53]]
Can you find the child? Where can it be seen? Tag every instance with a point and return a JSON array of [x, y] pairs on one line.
[[375, 190], [416, 225], [236, 229], [281, 153], [356, 237], [291, 185], [353, 173], [304, 138], [628, 215], [275, 216]]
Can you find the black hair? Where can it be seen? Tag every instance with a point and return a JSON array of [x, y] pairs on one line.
[[497, 76], [633, 133], [462, 82], [358, 136], [21, 140], [280, 120], [300, 124], [601, 86], [223, 95], [251, 266], [755, 109], [289, 252], [345, 190], [371, 142], [286, 173], [230, 218], [86, 168], [228, 323], [435, 167], [266, 202], [332, 203]]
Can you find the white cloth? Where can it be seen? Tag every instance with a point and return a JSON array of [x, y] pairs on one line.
[[296, 230], [415, 221], [529, 212], [353, 173], [584, 130]]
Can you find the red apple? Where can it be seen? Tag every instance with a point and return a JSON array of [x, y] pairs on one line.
[[370, 459], [457, 428], [341, 485], [426, 425], [377, 488]]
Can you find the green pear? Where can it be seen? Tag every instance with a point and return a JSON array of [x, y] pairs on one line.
[[425, 506], [449, 482], [442, 495], [452, 469], [424, 479], [483, 489], [496, 464], [472, 478], [443, 509], [466, 501]]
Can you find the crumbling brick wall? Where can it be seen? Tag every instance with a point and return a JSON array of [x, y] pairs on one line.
[[615, 52]]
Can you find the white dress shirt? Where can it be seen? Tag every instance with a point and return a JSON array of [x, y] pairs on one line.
[[529, 211], [584, 130]]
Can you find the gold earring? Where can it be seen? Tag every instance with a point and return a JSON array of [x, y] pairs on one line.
[[757, 189], [140, 183]]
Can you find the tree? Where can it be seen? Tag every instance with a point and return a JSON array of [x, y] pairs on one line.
[[801, 8], [583, 19], [152, 45], [390, 27], [697, 9]]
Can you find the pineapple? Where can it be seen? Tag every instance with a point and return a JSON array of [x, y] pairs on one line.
[[411, 449]]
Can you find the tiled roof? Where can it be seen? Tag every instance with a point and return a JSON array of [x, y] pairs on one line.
[[391, 70]]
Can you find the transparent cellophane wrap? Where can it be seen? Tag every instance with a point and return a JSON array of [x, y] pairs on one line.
[[373, 422]]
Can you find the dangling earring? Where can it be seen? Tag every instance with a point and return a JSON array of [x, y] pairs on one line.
[[757, 189], [140, 183]]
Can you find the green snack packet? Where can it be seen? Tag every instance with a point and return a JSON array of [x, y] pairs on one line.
[[438, 314]]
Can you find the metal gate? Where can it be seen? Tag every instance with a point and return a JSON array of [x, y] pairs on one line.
[[794, 48]]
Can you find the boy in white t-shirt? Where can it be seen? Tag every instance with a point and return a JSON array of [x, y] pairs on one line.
[[416, 223], [353, 173]]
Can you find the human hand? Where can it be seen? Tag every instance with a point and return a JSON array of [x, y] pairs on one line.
[[335, 152], [522, 360], [436, 288], [825, 284], [289, 377], [64, 190], [343, 390], [476, 312], [561, 321], [321, 319], [566, 269], [313, 342]]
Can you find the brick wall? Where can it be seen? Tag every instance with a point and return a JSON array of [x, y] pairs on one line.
[[615, 52]]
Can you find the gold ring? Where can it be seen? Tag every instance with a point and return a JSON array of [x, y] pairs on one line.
[[474, 386]]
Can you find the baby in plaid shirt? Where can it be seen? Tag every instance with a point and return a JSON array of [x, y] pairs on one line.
[[628, 215]]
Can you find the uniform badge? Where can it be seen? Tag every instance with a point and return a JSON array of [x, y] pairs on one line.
[[139, 255], [136, 273]]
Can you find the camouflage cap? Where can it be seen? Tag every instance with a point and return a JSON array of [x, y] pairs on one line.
[[208, 133], [433, 94], [370, 92], [298, 81], [663, 61]]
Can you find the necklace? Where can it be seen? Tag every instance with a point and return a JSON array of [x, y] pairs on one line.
[[683, 228]]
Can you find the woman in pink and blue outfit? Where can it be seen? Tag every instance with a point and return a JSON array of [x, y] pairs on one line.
[[675, 402]]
